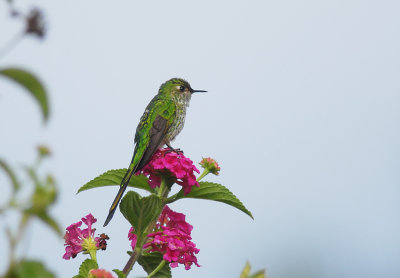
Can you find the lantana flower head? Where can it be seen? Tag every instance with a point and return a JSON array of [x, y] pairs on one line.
[[210, 165], [78, 240], [100, 273], [172, 239], [173, 165]]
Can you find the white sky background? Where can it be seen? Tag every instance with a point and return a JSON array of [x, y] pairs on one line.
[[302, 114]]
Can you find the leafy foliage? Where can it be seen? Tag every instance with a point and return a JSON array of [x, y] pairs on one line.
[[10, 174], [149, 262], [33, 269], [32, 84], [140, 211], [114, 177], [214, 192], [119, 273], [86, 266], [246, 272]]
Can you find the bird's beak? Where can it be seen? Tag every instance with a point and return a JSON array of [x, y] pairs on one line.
[[198, 91]]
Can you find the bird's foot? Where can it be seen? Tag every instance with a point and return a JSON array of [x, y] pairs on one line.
[[171, 149]]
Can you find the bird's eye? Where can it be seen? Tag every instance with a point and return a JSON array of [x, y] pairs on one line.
[[181, 88]]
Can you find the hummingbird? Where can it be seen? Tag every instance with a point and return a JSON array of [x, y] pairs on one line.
[[160, 123]]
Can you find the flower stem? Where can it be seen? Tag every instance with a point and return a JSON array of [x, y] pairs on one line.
[[92, 254], [157, 269], [161, 188], [11, 44], [132, 260], [205, 173]]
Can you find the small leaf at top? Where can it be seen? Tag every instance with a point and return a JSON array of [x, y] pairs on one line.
[[114, 177], [214, 192], [86, 266], [140, 211], [246, 271], [150, 261], [30, 83], [10, 174]]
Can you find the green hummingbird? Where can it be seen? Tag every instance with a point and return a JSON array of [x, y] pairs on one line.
[[160, 123]]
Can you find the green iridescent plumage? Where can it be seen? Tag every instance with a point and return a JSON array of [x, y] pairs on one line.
[[160, 123]]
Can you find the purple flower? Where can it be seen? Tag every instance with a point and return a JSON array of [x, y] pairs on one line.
[[172, 165], [172, 239], [132, 237], [78, 240]]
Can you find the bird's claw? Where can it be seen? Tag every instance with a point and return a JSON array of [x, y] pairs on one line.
[[171, 149]]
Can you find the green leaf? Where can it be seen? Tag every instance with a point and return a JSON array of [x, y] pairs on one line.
[[119, 273], [246, 271], [10, 174], [150, 261], [214, 192], [140, 211], [33, 269], [258, 274], [50, 222], [79, 276], [86, 266], [30, 83], [114, 177]]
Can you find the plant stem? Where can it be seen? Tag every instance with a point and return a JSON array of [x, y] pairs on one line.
[[14, 240], [205, 173], [92, 254], [161, 188], [133, 258], [11, 44], [157, 269]]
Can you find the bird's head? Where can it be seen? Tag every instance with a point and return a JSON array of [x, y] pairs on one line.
[[178, 89]]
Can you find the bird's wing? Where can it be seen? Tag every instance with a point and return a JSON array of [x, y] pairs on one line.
[[156, 136], [151, 131]]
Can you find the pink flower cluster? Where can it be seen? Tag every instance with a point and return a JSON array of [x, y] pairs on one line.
[[132, 237], [172, 239], [174, 165], [78, 240]]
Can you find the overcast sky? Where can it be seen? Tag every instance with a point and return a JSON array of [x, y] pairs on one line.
[[302, 114]]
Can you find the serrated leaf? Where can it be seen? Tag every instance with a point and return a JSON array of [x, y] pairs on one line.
[[32, 84], [119, 273], [86, 266], [150, 261], [114, 177], [10, 174], [140, 211], [33, 269], [214, 192]]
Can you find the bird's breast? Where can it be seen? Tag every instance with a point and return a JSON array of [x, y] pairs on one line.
[[177, 124]]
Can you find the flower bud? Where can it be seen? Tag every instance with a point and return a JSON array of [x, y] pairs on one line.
[[211, 165]]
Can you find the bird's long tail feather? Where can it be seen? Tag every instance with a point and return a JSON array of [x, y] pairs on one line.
[[124, 184]]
